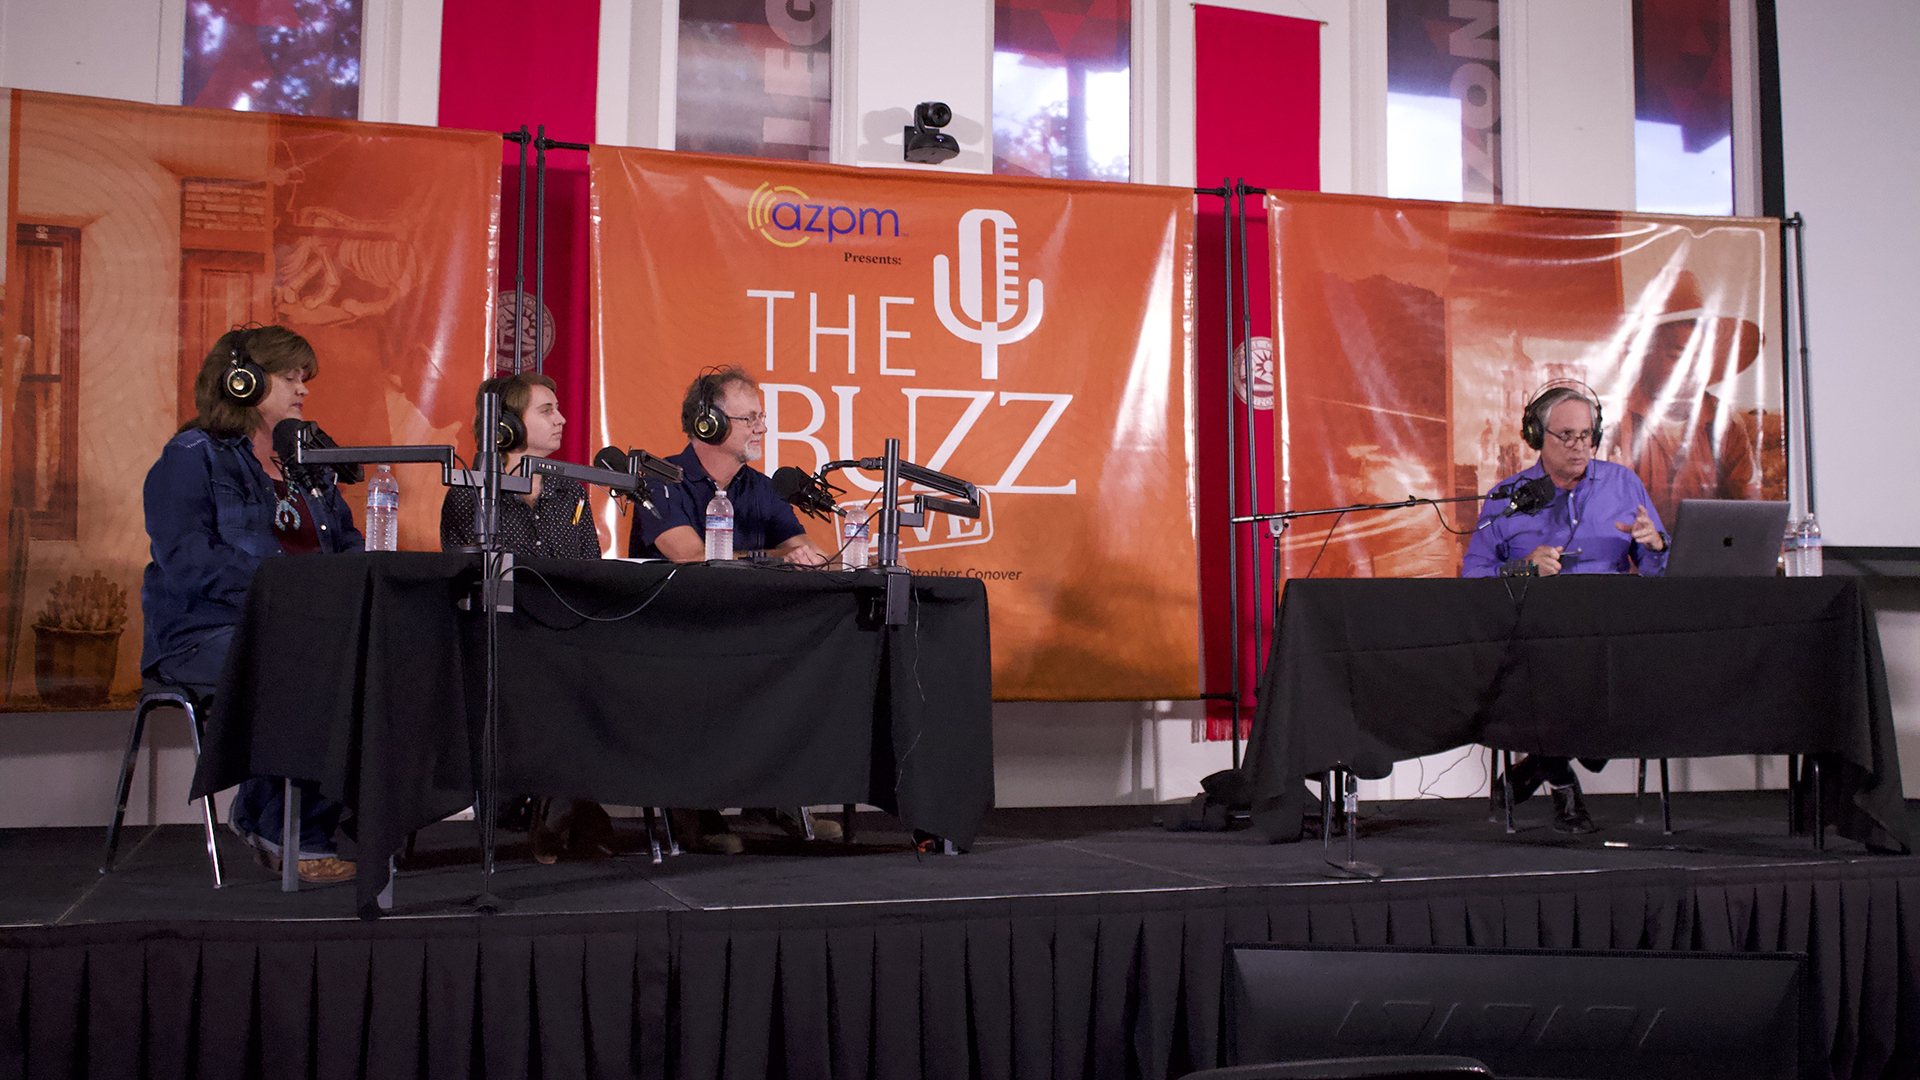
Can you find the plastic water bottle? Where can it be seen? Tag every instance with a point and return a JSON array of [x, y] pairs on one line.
[[854, 533], [1812, 562], [720, 526], [1790, 549], [383, 511]]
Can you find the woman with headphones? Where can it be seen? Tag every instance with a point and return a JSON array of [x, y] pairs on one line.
[[554, 520], [217, 504]]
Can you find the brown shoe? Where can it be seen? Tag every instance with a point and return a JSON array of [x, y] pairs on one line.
[[326, 871]]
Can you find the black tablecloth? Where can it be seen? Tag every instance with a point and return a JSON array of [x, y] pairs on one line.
[[1367, 672], [689, 686]]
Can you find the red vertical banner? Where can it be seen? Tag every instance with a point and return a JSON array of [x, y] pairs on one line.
[[1257, 118], [504, 64]]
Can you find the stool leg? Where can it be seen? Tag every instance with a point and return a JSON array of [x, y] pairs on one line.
[[1351, 798], [1819, 807], [653, 838], [1666, 805], [206, 801], [1506, 786], [126, 786], [290, 838], [666, 826], [1326, 811], [1639, 793], [806, 819], [1794, 824]]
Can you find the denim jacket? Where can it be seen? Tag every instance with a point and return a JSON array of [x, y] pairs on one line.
[[209, 509]]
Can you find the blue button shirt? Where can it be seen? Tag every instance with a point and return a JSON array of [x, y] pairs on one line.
[[1580, 519], [761, 521], [209, 508]]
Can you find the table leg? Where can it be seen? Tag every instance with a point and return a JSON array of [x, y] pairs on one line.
[[1819, 807], [1640, 793], [1506, 786], [1666, 805], [385, 899], [846, 822]]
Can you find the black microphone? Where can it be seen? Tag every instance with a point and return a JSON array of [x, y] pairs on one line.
[[803, 491], [614, 459], [1527, 497], [1532, 497], [309, 434], [290, 434]]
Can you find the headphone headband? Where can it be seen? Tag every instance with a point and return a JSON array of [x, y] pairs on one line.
[[1533, 421]]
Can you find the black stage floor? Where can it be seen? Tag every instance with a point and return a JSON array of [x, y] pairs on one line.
[[1069, 943], [49, 877]]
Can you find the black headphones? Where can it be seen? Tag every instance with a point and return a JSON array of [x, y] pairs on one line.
[[710, 425], [244, 381], [510, 433], [1533, 422]]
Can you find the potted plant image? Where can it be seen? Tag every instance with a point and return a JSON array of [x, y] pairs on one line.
[[76, 641]]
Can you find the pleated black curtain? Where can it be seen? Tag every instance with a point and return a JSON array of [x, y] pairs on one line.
[[1109, 985]]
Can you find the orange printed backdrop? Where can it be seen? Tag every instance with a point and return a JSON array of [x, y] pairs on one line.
[[1414, 333], [1057, 378], [142, 233]]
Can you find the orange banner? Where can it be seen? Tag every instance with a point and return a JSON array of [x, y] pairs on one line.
[[140, 234], [1414, 334], [1028, 336]]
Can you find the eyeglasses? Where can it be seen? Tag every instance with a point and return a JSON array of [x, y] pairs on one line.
[[752, 420], [1573, 437]]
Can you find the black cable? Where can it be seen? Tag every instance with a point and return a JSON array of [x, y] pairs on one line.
[[1444, 525], [657, 590], [1323, 543]]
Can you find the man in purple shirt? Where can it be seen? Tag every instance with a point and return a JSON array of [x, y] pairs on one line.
[[1600, 521]]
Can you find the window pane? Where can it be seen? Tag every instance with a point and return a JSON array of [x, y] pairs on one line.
[[1062, 88], [754, 78], [296, 56], [1683, 106], [1443, 100]]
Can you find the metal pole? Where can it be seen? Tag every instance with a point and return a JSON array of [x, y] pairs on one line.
[[1253, 457], [520, 254], [1799, 227], [540, 249], [1233, 489]]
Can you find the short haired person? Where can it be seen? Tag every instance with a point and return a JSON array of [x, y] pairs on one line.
[[727, 430], [1600, 521], [555, 521], [217, 505]]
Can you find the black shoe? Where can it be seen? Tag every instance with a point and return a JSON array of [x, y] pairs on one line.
[[1570, 809]]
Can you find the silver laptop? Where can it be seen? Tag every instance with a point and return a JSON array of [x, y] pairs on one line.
[[1727, 538]]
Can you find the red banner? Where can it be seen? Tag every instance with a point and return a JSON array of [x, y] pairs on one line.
[[140, 234], [1029, 336], [1413, 335]]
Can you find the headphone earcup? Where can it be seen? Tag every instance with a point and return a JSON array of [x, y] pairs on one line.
[[510, 433], [1530, 432], [711, 425], [245, 382]]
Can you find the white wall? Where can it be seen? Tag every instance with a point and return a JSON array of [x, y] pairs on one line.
[[1849, 81], [128, 49]]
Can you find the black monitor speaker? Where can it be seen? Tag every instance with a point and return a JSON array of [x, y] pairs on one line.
[[1609, 1015]]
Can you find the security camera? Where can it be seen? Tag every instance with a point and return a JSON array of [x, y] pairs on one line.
[[925, 143]]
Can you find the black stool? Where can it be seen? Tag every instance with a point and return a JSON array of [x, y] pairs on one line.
[[158, 695]]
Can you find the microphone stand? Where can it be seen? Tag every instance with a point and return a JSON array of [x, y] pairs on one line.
[[966, 503], [1340, 778], [496, 595]]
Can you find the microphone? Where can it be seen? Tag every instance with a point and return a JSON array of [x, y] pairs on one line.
[[1527, 497], [291, 433], [1533, 497], [803, 491], [613, 459]]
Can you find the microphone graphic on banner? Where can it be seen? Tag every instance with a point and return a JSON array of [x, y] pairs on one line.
[[992, 331]]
